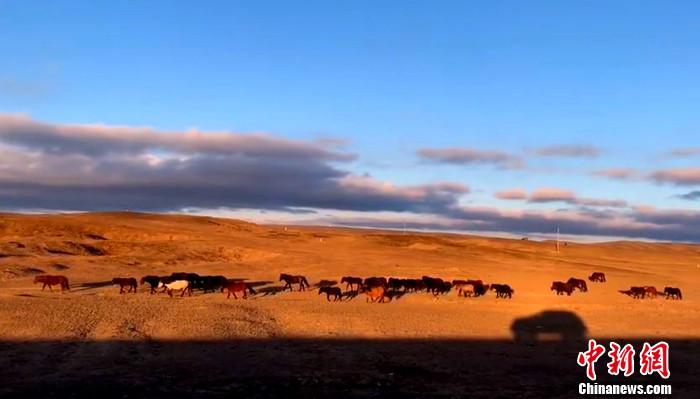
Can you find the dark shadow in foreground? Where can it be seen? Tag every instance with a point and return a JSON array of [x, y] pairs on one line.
[[318, 368]]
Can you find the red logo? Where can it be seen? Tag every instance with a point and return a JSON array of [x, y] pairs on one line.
[[622, 360], [589, 358], [652, 359]]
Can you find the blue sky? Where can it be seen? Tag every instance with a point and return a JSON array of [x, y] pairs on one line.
[[390, 79]]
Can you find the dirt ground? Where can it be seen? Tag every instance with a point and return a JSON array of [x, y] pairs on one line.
[[92, 339]]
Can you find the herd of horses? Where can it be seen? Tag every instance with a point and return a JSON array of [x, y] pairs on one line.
[[573, 283], [376, 289]]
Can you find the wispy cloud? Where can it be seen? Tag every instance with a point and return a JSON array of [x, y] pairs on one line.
[[470, 156], [570, 151], [617, 173], [678, 176], [691, 196], [511, 194], [548, 194], [685, 152]]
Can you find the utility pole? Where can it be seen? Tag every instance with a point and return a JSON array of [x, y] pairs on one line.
[[557, 239]]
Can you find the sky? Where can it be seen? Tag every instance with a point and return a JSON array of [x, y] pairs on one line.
[[482, 116]]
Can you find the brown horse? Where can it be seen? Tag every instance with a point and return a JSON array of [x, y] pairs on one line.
[[352, 283], [52, 280], [376, 294], [334, 291], [292, 279], [375, 282], [125, 282], [503, 290], [650, 291], [238, 286], [578, 283], [597, 277], [562, 287], [673, 293]]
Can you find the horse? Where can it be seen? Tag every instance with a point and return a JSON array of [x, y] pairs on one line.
[[414, 285], [461, 288], [673, 293], [396, 284], [125, 282], [375, 282], [638, 292], [238, 286], [153, 281], [433, 285], [562, 287], [578, 283], [376, 294], [443, 289], [334, 291], [480, 289], [350, 282], [177, 285], [290, 279], [597, 277], [52, 280], [210, 283], [650, 291], [191, 277], [503, 290]]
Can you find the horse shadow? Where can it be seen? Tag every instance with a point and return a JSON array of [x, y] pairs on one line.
[[325, 283], [91, 286], [350, 295], [549, 325], [271, 290]]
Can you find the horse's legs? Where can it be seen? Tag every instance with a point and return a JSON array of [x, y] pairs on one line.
[[43, 286], [50, 289]]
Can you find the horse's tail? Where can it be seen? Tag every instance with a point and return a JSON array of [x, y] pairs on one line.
[[65, 281], [304, 281]]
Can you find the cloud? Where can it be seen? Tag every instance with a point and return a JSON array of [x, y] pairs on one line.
[[469, 156], [649, 223], [571, 151], [685, 152], [511, 194], [552, 195], [691, 196], [99, 140], [679, 176], [617, 173], [547, 194], [99, 167]]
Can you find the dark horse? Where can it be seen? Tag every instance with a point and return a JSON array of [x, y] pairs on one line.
[[503, 290], [331, 291], [597, 277], [238, 286], [52, 280], [350, 281], [561, 287], [578, 283], [673, 293], [153, 281], [125, 282], [290, 279]]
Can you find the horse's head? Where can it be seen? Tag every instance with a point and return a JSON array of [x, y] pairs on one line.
[[282, 276], [115, 281], [37, 279], [321, 290]]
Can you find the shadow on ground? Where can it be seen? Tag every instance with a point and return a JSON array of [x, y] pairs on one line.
[[539, 363], [314, 368]]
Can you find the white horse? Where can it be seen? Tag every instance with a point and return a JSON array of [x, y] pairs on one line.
[[177, 285]]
